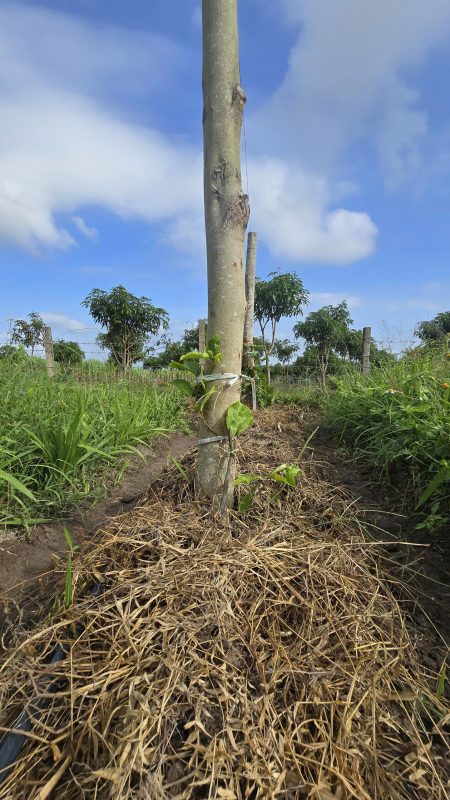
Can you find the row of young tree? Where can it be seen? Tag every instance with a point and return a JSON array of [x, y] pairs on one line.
[[131, 324]]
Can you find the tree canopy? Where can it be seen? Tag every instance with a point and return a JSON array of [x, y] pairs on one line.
[[283, 295], [284, 350], [67, 352], [129, 321], [29, 334], [434, 330], [326, 329]]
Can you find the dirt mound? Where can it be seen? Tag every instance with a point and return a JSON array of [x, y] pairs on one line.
[[262, 658]]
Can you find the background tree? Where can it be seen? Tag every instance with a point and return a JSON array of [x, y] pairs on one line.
[[190, 339], [282, 296], [129, 321], [352, 349], [29, 334], [284, 350], [169, 350], [434, 330], [8, 352], [67, 352], [352, 346], [326, 329]]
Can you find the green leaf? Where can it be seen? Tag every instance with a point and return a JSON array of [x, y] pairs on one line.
[[18, 485], [201, 402], [418, 409], [183, 386], [69, 539], [192, 368], [286, 474], [213, 350], [245, 502], [440, 477], [193, 356], [246, 477], [181, 470], [68, 589], [239, 418], [177, 365]]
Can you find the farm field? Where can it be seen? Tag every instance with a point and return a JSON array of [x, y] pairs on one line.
[[230, 628], [224, 401], [61, 440]]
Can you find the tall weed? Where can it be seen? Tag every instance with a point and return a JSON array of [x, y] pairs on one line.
[[57, 438], [398, 420]]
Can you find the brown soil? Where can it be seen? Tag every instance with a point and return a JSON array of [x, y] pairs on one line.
[[22, 559]]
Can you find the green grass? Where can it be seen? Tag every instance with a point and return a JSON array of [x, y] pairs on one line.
[[397, 420], [59, 439], [308, 396]]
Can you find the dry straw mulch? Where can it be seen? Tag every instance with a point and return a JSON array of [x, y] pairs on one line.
[[264, 658]]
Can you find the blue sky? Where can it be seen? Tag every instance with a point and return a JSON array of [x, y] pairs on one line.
[[348, 155]]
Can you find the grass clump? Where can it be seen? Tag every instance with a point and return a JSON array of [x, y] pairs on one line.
[[397, 420], [58, 438]]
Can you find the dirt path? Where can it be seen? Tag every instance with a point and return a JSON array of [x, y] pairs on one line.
[[23, 560]]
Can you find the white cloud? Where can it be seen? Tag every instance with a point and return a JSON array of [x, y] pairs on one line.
[[40, 46], [60, 149], [186, 233], [348, 79], [90, 233], [399, 141], [64, 146], [290, 208], [74, 154], [62, 321]]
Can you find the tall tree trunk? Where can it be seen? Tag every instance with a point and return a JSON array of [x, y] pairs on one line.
[[226, 218], [250, 275], [367, 335]]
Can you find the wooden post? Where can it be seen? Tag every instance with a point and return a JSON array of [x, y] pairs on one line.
[[367, 336], [202, 340], [48, 347], [250, 275], [201, 335]]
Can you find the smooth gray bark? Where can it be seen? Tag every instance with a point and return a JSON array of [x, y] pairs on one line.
[[226, 218], [48, 348], [367, 335], [250, 276]]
